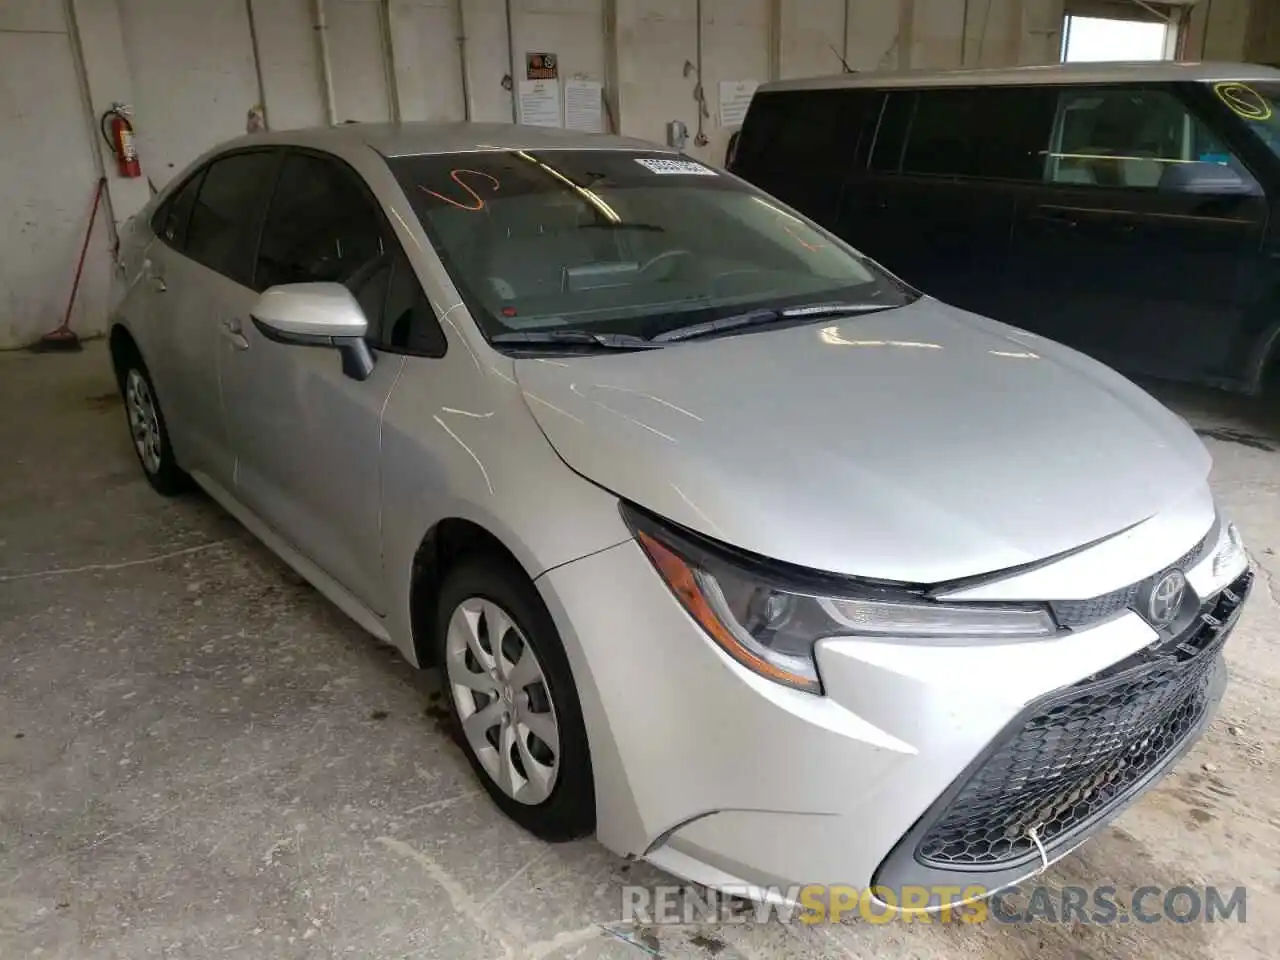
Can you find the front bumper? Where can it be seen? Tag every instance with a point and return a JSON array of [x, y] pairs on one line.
[[729, 780]]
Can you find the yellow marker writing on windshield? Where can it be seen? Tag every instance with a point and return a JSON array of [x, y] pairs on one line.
[[1243, 100]]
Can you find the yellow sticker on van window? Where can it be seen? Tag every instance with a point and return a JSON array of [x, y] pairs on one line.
[[1243, 100]]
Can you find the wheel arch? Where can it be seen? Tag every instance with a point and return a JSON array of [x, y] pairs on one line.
[[463, 529], [448, 541], [122, 346]]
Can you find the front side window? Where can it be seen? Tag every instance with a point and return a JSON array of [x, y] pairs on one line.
[[410, 324], [1139, 138], [322, 227], [228, 210], [620, 242]]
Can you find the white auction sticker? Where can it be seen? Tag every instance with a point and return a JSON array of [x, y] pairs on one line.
[[676, 166]]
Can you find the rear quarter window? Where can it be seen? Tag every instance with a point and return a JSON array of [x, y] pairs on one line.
[[170, 220]]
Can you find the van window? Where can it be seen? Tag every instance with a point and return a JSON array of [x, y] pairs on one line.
[[996, 132], [804, 127], [1138, 138], [1258, 105], [891, 132]]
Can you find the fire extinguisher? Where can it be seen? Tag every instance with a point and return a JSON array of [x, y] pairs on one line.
[[118, 131]]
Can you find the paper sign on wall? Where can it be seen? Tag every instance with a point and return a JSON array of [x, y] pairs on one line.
[[540, 103], [735, 97], [583, 105]]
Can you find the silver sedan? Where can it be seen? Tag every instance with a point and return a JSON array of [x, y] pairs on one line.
[[733, 548]]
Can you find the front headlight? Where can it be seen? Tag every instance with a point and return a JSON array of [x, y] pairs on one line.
[[769, 617]]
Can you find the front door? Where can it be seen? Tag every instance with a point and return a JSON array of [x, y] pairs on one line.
[[306, 436], [1141, 246]]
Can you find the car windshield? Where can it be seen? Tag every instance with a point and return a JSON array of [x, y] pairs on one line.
[[623, 242], [1258, 105]]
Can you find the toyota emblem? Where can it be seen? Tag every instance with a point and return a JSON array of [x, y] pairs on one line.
[[1166, 598]]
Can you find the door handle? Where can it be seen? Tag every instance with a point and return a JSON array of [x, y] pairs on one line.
[[231, 329], [157, 281], [1055, 219]]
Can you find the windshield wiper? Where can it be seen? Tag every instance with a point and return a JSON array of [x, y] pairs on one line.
[[707, 327], [755, 318], [569, 338], [833, 309]]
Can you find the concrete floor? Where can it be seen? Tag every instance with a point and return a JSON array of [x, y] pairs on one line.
[[200, 757]]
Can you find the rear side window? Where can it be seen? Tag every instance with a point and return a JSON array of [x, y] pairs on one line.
[[792, 128], [222, 232], [995, 132], [170, 221]]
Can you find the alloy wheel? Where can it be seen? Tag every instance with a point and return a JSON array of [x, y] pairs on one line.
[[144, 422], [503, 700]]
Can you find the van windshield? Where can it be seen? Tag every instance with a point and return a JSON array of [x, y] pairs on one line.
[[1258, 105], [623, 242]]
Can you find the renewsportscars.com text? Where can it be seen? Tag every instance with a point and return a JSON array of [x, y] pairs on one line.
[[816, 903]]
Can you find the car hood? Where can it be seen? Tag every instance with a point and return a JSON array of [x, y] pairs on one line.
[[920, 445]]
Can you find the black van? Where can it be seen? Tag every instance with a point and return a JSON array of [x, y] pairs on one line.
[[1123, 209]]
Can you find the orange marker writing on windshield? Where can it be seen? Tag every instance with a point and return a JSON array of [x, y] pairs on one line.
[[477, 201]]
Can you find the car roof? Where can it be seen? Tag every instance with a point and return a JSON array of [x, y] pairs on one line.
[[1059, 73], [422, 138]]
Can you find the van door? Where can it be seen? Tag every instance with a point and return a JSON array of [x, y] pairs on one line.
[[1141, 245], [946, 173], [801, 145]]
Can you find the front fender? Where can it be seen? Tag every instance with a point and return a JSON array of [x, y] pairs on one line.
[[458, 441]]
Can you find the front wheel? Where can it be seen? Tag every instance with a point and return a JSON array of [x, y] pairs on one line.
[[514, 704]]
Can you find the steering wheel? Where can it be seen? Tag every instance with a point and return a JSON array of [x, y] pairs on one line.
[[665, 257]]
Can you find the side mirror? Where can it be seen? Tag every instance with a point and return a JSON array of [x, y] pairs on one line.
[[317, 315]]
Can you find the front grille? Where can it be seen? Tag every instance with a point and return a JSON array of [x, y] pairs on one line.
[[1079, 613], [1080, 753]]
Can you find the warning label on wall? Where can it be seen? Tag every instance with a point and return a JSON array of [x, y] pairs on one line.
[[541, 66]]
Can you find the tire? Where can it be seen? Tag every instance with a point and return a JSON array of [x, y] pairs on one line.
[[147, 429], [490, 708]]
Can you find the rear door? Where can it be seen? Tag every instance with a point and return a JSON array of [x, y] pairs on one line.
[[801, 146], [147, 304], [203, 287], [948, 168], [1141, 246]]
